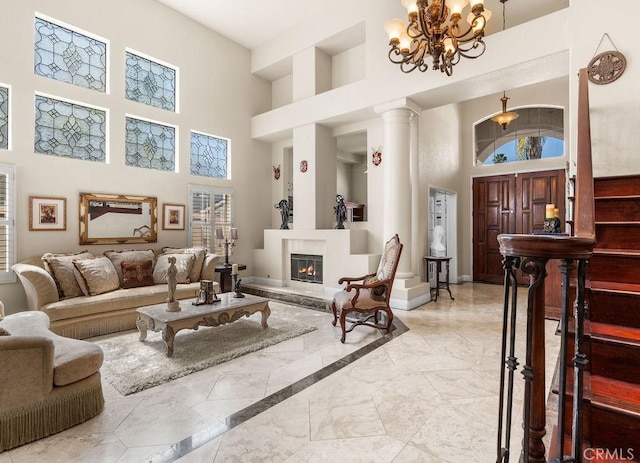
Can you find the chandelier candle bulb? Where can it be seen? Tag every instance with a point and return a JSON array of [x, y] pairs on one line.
[[550, 214]]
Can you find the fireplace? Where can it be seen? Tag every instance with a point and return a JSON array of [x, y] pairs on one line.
[[307, 268]]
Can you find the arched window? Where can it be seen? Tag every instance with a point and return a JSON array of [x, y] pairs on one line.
[[537, 133]]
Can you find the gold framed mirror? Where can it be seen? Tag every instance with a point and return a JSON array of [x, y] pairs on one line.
[[107, 218]]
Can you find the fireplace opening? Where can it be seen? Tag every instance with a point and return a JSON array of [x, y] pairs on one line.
[[306, 267]]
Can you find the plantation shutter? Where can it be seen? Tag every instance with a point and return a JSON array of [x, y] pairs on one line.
[[7, 222], [209, 209]]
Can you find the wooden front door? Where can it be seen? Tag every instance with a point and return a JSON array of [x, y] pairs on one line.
[[512, 203]]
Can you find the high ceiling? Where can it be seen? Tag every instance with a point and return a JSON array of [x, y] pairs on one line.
[[254, 22]]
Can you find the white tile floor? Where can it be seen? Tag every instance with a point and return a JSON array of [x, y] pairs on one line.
[[428, 395]]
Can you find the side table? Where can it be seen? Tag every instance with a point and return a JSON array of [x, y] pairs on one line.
[[226, 282], [438, 264]]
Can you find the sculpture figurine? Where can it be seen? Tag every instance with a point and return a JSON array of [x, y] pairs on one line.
[[283, 205], [341, 212], [172, 281], [237, 286], [438, 248]]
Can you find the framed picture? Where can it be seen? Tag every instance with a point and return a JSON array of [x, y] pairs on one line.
[[173, 216], [117, 219], [47, 213]]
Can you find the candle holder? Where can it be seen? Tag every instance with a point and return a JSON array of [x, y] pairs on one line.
[[229, 241], [552, 225], [236, 285]]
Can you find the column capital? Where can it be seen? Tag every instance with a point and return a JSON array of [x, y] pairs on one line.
[[400, 103]]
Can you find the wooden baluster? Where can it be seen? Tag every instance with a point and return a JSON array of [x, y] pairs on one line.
[[533, 450]]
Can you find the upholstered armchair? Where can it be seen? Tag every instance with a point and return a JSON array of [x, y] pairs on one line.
[[367, 302]]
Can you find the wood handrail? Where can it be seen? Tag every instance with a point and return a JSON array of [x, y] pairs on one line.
[[584, 220]]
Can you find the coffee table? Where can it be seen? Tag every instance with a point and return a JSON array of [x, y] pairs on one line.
[[228, 310]]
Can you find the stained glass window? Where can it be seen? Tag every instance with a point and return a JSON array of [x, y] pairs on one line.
[[209, 155], [150, 145], [4, 118], [70, 130], [68, 56], [150, 83]]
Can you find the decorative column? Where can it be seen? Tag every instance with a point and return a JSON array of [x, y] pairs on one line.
[[397, 117]]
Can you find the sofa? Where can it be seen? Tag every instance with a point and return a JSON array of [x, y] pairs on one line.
[[83, 297], [48, 383]]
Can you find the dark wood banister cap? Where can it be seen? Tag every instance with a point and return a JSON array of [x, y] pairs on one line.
[[546, 246]]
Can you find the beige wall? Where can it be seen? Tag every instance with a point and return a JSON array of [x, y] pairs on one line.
[[215, 81]]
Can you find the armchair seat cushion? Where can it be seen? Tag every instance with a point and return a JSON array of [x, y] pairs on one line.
[[75, 360], [366, 300]]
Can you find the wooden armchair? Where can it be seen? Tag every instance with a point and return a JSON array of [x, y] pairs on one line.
[[361, 303]]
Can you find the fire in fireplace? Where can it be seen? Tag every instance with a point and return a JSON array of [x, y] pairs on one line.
[[306, 267]]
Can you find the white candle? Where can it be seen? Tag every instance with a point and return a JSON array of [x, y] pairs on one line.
[[234, 269]]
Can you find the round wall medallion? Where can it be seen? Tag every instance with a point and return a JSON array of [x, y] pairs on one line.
[[606, 67]]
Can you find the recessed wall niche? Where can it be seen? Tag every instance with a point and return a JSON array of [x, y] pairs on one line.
[[338, 60]]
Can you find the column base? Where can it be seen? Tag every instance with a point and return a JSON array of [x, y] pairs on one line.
[[409, 293]]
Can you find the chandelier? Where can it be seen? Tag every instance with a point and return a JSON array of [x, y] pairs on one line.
[[505, 117], [435, 30]]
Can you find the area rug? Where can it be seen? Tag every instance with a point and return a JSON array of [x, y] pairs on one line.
[[131, 365]]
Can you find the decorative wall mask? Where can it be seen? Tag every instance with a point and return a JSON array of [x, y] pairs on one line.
[[376, 156], [304, 166], [276, 172]]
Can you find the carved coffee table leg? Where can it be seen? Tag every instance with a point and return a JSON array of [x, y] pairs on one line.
[[265, 315], [167, 336], [142, 327]]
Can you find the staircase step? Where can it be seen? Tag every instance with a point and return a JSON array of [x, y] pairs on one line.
[[617, 209], [617, 252], [618, 236], [616, 306], [611, 412], [615, 267], [614, 287], [611, 186], [590, 453], [615, 394], [614, 351]]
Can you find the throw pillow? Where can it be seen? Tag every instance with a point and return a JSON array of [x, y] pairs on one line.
[[137, 273], [4, 332], [200, 253], [60, 266], [118, 257], [184, 262], [98, 274], [81, 282], [377, 292]]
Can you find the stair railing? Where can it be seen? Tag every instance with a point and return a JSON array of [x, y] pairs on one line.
[[530, 253]]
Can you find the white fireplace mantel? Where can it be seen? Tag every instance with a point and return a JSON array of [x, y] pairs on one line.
[[345, 253]]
